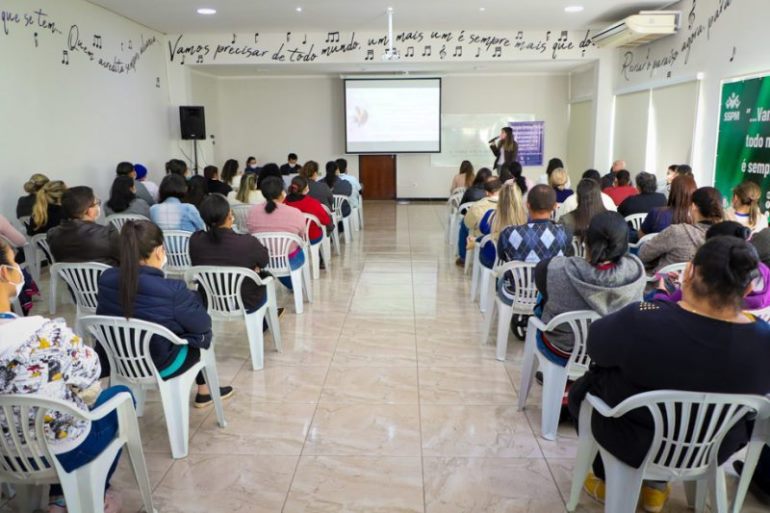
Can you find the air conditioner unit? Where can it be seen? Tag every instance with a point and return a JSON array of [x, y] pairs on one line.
[[639, 29]]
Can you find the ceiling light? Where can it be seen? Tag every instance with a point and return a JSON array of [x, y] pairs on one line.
[[574, 8], [299, 9], [206, 10], [482, 9]]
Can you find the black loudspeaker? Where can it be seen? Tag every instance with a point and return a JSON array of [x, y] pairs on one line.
[[192, 121]]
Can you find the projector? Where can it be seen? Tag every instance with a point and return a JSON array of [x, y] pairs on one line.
[[391, 54]]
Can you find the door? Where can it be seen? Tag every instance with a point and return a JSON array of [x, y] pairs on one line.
[[377, 174]]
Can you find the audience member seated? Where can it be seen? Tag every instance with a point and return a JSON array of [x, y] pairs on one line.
[[480, 212], [745, 207], [213, 183], [50, 361], [275, 216], [123, 199], [558, 180], [10, 233], [670, 175], [230, 175], [251, 166], [247, 193], [589, 204], [759, 296], [463, 233], [464, 179], [679, 242], [298, 198], [318, 188], [622, 188], [342, 166], [677, 210], [47, 211], [292, 167], [606, 280], [268, 170], [79, 238], [524, 182], [646, 200], [221, 246], [197, 190], [476, 191], [761, 241], [177, 167], [510, 211], [127, 169], [571, 202], [608, 180], [537, 240], [554, 163], [26, 203], [676, 346], [139, 290], [171, 213], [339, 186], [141, 177]]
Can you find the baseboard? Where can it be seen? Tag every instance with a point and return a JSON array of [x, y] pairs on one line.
[[442, 200]]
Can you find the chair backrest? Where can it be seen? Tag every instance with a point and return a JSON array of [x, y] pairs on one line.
[[310, 219], [279, 245], [522, 277], [339, 200], [763, 314], [118, 220], [636, 220], [223, 288], [677, 269], [25, 456], [241, 213], [578, 322], [127, 344], [463, 209], [41, 241], [689, 428], [177, 246], [456, 197], [83, 280], [578, 247]]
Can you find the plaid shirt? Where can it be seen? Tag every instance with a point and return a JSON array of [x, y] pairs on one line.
[[172, 214]]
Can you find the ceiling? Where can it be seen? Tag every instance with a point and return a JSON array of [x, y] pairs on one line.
[[176, 16]]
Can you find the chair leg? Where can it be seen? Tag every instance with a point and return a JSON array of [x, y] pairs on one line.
[[52, 295], [484, 294], [140, 396], [336, 240], [528, 367], [130, 426], [315, 254], [623, 485], [749, 466], [470, 258], [307, 280], [326, 252], [346, 226], [488, 318], [475, 279], [175, 397], [256, 338], [504, 316], [695, 493], [212, 379], [272, 317], [587, 450], [718, 490], [29, 498], [554, 383], [296, 288]]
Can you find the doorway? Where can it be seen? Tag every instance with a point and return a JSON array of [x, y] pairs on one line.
[[377, 174]]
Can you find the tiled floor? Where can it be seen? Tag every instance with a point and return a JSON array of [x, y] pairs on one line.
[[383, 400]]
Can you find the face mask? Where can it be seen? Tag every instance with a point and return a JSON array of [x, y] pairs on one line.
[[20, 285], [164, 261]]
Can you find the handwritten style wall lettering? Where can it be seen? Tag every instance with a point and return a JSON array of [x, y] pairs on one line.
[[73, 41]]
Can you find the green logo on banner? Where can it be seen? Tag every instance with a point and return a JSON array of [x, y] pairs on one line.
[[743, 149]]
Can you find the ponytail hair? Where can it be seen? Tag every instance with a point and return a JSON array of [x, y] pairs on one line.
[[138, 239], [309, 169], [50, 193], [272, 187], [298, 184], [748, 195], [724, 268], [214, 211]]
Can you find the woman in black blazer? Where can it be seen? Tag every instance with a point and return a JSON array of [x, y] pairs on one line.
[[504, 147]]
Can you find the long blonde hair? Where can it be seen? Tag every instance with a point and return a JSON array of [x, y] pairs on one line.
[[748, 195], [558, 178], [248, 184], [510, 209], [50, 194], [35, 183]]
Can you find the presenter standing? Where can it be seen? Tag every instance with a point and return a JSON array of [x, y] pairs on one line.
[[504, 147]]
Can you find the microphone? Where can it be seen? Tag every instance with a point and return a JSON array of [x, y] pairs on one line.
[[494, 139]]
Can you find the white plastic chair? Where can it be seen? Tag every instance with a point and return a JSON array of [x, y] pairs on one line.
[[27, 462], [452, 205], [677, 269], [578, 247], [319, 248], [279, 245], [454, 223], [335, 235], [118, 220], [554, 376], [477, 268], [83, 280], [37, 252], [360, 210], [638, 244], [524, 301], [688, 430], [177, 246], [636, 220], [241, 213], [223, 296], [127, 344], [760, 437], [339, 200]]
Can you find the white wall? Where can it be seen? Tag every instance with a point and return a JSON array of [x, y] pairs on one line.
[[724, 40], [205, 90], [75, 122], [270, 116]]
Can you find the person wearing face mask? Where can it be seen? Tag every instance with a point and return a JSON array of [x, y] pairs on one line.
[[251, 166], [44, 357], [80, 238], [138, 289]]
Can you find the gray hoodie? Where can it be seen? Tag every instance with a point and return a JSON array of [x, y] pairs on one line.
[[574, 284]]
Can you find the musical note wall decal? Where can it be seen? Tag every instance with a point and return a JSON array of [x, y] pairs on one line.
[[97, 42], [288, 36], [199, 60], [36, 42], [369, 55], [233, 41], [442, 53], [427, 51], [458, 51], [130, 45], [333, 37], [409, 51], [498, 51], [65, 58], [564, 36]]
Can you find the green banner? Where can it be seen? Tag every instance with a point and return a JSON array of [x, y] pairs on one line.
[[743, 148]]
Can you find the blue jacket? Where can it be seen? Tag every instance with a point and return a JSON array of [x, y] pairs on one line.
[[162, 301]]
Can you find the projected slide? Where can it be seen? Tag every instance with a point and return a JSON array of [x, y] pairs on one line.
[[393, 115]]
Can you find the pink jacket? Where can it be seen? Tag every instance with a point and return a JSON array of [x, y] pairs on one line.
[[12, 234]]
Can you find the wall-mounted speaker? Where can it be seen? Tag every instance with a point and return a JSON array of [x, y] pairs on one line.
[[192, 122]]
